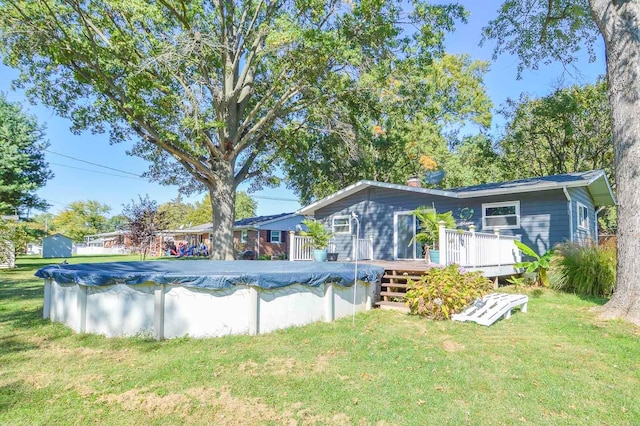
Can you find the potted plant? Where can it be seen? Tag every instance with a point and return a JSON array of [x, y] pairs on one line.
[[332, 255], [428, 235], [319, 238]]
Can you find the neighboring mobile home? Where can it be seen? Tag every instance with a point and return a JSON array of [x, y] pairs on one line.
[[542, 211]]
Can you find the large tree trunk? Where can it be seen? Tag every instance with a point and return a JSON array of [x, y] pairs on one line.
[[223, 194], [618, 24]]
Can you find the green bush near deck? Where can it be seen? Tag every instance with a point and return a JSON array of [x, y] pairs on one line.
[[584, 269], [442, 292]]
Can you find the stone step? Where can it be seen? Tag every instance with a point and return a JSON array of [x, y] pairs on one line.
[[394, 306]]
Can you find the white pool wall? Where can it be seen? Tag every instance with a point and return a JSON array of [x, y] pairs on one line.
[[168, 311]]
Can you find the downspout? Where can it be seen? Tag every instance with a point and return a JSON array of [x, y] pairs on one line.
[[598, 236], [566, 194]]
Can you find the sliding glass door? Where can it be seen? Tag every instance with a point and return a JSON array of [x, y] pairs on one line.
[[405, 227]]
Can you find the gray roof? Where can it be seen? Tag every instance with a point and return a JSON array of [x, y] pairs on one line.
[[259, 220], [251, 222], [564, 179], [595, 181]]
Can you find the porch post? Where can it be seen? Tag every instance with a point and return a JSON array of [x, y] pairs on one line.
[[371, 249], [292, 249], [473, 249], [442, 242], [497, 234]]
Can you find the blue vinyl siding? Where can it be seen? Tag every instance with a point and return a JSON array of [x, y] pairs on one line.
[[544, 217], [581, 195]]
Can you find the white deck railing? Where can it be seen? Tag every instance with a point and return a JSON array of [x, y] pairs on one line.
[[300, 248], [365, 249], [465, 248], [477, 249]]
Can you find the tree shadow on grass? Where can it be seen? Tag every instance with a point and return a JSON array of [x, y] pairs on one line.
[[143, 344], [23, 318], [9, 291], [12, 344], [11, 393], [596, 300]]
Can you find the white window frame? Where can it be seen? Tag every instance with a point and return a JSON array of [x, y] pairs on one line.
[[348, 225], [581, 218], [244, 235], [485, 206], [277, 240]]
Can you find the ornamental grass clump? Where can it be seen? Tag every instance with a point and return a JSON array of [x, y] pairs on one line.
[[584, 269], [442, 292]]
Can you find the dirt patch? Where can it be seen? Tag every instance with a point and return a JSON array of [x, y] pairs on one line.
[[84, 353], [208, 405], [283, 367], [147, 402], [38, 380], [451, 346], [324, 360]]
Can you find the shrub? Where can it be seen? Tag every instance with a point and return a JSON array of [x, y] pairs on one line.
[[539, 264], [442, 292], [583, 269]]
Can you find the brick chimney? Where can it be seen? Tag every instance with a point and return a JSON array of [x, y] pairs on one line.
[[414, 182]]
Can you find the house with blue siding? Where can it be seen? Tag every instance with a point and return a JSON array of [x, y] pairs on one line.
[[541, 211]]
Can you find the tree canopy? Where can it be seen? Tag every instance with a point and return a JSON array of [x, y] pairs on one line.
[[23, 168], [81, 218], [566, 131], [387, 127], [209, 85], [144, 221]]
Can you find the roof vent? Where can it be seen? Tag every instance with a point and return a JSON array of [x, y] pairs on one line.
[[414, 182]]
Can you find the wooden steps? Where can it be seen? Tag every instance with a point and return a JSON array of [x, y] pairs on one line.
[[393, 288], [393, 293]]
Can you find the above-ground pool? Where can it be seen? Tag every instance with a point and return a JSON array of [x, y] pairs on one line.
[[202, 298]]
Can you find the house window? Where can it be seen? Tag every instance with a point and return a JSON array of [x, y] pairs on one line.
[[274, 237], [243, 236], [341, 225], [583, 216], [504, 215]]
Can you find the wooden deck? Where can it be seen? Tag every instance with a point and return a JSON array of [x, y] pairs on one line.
[[400, 265], [421, 266]]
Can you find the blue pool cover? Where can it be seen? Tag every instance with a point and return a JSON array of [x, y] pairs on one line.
[[212, 274]]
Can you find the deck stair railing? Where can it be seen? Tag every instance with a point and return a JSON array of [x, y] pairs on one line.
[[477, 249]]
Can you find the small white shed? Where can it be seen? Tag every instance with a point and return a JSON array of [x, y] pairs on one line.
[[56, 245]]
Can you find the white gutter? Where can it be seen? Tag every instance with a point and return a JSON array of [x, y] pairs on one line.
[[598, 236], [566, 194]]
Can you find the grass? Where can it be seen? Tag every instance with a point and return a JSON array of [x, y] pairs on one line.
[[554, 365]]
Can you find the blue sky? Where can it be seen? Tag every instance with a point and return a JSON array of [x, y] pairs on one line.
[[71, 184]]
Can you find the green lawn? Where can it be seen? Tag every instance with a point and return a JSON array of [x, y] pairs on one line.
[[554, 365]]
